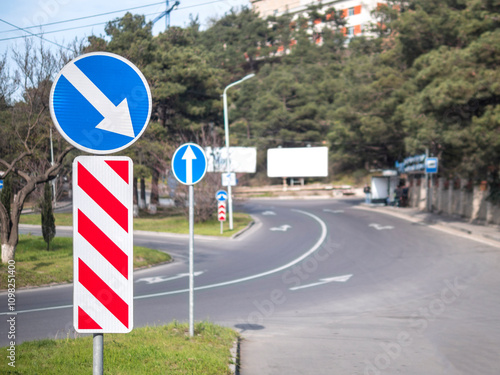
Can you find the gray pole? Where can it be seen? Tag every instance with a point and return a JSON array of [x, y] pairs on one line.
[[52, 163], [97, 368], [226, 130], [191, 266], [427, 191]]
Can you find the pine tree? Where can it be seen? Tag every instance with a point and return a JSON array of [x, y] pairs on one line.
[[48, 220]]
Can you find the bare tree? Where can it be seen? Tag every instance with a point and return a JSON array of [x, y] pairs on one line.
[[24, 132]]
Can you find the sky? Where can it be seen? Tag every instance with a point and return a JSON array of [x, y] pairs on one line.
[[30, 14]]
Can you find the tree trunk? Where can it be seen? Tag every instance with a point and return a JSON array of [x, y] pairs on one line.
[[8, 252], [142, 201], [154, 187], [135, 194]]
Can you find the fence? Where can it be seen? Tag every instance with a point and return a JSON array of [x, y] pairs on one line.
[[456, 197]]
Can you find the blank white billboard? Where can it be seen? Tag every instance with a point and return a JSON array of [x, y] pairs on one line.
[[297, 162], [241, 159]]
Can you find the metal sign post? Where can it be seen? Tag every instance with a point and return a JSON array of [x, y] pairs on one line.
[[189, 165], [101, 103], [191, 262]]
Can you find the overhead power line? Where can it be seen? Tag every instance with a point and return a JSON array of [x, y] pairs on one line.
[[38, 36], [84, 18], [67, 29], [89, 25]]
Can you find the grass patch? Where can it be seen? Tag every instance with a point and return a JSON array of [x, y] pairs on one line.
[[161, 223], [63, 219], [36, 266], [179, 224], [147, 350]]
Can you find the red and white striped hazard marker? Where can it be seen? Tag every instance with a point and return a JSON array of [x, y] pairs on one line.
[[221, 210], [102, 244]]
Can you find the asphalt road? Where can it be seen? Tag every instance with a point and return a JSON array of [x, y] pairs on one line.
[[318, 287]]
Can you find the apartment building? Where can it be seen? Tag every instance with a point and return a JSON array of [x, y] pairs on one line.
[[356, 12]]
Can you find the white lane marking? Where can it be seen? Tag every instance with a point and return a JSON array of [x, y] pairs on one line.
[[269, 213], [333, 211], [338, 279], [161, 279], [379, 227], [319, 242], [315, 247], [283, 228]]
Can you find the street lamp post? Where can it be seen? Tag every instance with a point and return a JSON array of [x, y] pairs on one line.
[[226, 131]]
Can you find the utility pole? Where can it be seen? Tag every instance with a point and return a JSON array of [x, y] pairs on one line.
[[166, 13]]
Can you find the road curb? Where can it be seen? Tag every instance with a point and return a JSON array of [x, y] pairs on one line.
[[234, 366], [166, 234]]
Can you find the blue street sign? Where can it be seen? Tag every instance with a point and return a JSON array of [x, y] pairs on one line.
[[431, 165], [100, 103], [221, 196], [189, 164], [1, 184]]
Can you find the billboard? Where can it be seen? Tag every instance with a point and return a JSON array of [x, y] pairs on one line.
[[241, 159], [297, 162]]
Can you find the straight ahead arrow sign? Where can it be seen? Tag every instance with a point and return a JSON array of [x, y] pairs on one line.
[[189, 156]]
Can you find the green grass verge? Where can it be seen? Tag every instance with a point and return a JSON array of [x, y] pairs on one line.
[[148, 350], [36, 266], [179, 224], [161, 223]]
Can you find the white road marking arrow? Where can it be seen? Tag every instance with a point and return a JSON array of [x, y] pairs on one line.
[[268, 213], [334, 211], [160, 279], [283, 228], [116, 118], [379, 227], [189, 156], [338, 279]]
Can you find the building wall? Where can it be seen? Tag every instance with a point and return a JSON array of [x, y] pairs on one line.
[[356, 23]]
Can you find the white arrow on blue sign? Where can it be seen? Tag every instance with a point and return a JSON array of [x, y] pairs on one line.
[[1, 184], [100, 103], [221, 196], [189, 164]]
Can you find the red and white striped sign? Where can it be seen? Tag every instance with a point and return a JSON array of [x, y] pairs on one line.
[[221, 210], [102, 244]]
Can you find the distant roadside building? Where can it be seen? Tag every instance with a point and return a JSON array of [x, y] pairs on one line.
[[357, 13]]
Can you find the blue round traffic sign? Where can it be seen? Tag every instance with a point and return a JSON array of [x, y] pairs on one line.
[[189, 164], [100, 103], [221, 196]]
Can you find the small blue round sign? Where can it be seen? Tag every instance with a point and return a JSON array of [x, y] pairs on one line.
[[100, 103], [189, 164], [221, 196]]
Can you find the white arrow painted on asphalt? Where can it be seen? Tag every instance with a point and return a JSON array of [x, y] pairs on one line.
[[283, 228], [379, 227], [338, 279], [334, 211], [189, 156], [160, 279], [116, 118], [269, 213]]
